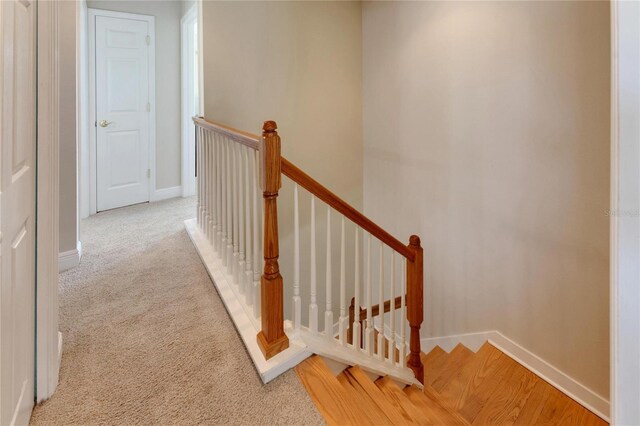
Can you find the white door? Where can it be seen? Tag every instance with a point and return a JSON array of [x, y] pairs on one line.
[[17, 210], [122, 111]]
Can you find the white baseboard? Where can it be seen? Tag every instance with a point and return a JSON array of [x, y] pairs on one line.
[[70, 259], [166, 193], [560, 380]]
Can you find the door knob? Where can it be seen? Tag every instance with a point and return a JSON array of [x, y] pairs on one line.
[[105, 123]]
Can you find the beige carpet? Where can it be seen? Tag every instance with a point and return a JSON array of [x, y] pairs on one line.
[[147, 339]]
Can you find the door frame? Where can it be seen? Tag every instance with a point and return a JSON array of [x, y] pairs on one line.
[[93, 154], [188, 179], [625, 213], [48, 338]]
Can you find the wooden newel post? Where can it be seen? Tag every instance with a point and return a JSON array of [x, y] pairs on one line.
[[415, 309], [272, 339]]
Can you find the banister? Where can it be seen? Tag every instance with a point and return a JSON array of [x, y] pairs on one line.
[[245, 138], [311, 185]]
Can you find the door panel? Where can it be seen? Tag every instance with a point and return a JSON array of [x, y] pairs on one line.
[[122, 111], [17, 210]]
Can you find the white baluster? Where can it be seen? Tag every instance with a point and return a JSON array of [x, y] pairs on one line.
[[313, 307], [240, 274], [229, 190], [403, 313], [356, 321], [297, 311], [248, 272], [203, 161], [369, 330], [219, 206], [199, 174], [212, 189], [392, 312], [344, 319], [381, 304], [257, 240], [236, 214], [328, 313], [214, 211], [209, 169], [225, 200]]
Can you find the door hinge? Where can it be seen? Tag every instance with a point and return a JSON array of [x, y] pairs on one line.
[[149, 173], [148, 107], [148, 40]]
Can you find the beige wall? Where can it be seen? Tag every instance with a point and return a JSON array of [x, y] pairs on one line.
[[298, 63], [486, 132], [67, 128], [167, 22]]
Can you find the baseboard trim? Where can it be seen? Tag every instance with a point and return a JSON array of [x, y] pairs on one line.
[[166, 193], [560, 380], [70, 258], [59, 350]]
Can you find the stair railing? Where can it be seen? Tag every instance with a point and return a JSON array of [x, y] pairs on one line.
[[233, 167]]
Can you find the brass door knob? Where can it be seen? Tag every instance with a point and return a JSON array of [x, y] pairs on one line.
[[105, 123]]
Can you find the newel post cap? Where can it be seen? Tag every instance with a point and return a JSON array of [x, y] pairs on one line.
[[414, 240], [269, 127]]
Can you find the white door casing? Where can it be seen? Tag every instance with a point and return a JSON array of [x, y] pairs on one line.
[[190, 96], [123, 109], [17, 210]]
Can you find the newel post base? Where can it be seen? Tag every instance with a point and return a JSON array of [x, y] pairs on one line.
[[415, 309], [272, 338]]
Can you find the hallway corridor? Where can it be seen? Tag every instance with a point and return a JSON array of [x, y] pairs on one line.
[[147, 339]]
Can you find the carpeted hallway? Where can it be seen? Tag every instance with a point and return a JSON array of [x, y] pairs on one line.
[[147, 339]]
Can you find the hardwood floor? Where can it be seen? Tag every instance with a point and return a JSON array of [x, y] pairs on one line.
[[461, 388]]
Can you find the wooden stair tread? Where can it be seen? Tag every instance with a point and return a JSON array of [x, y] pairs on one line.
[[432, 362], [482, 391], [335, 404], [456, 360], [392, 411], [507, 401], [428, 402], [469, 377], [362, 397], [393, 393]]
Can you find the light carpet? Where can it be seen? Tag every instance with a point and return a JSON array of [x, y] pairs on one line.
[[147, 339]]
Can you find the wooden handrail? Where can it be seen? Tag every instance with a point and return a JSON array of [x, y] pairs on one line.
[[311, 185], [245, 138]]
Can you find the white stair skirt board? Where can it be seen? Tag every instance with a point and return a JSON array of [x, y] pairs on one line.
[[246, 326], [70, 259], [166, 193], [562, 381]]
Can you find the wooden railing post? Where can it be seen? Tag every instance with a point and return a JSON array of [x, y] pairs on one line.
[[271, 338], [415, 309]]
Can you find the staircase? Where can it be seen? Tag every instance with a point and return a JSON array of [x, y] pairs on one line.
[[460, 388]]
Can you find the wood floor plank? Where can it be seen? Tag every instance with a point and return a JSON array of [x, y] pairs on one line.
[[395, 396], [482, 390], [432, 407], [432, 362], [507, 401], [334, 403], [373, 413], [469, 377], [393, 411], [457, 359]]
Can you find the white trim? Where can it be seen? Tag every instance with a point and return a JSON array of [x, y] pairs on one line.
[[246, 325], [201, 55], [562, 381], [188, 179], [47, 237], [93, 193], [166, 193], [625, 213], [70, 258]]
